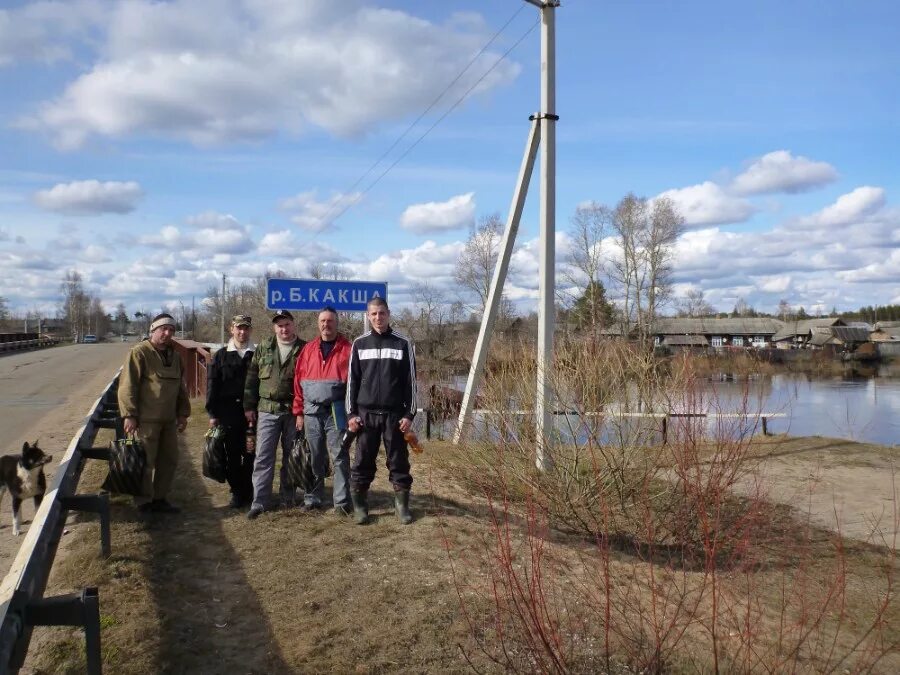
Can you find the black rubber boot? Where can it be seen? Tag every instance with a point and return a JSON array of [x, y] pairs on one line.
[[360, 507], [401, 506]]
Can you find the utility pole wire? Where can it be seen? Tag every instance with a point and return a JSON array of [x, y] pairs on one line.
[[327, 219], [436, 122]]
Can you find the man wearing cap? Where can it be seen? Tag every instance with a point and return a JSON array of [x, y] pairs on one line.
[[268, 403], [154, 404], [320, 383], [225, 379]]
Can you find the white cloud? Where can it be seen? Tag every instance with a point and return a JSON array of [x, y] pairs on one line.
[[849, 208], [708, 204], [269, 66], [278, 244], [313, 215], [90, 197], [780, 171], [215, 233], [39, 31], [453, 214], [778, 283]]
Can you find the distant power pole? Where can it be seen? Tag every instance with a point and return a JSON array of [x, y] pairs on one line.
[[223, 309]]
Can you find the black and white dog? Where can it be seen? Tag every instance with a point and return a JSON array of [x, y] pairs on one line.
[[23, 476]]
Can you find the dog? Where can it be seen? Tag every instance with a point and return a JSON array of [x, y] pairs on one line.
[[23, 476]]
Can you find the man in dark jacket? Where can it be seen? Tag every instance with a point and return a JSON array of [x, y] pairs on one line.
[[268, 403], [225, 379], [381, 405], [320, 384]]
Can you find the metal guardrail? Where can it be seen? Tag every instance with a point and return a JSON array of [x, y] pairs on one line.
[[27, 344], [22, 601]]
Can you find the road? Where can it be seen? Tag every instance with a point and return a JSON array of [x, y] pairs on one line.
[[44, 397]]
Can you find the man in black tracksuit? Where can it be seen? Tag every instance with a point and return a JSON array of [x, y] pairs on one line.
[[224, 403], [381, 405]]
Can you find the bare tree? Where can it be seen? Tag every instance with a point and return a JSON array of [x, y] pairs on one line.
[[590, 224], [475, 266], [642, 269], [785, 311], [75, 304], [694, 304]]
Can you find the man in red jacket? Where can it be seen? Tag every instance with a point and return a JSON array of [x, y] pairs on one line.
[[320, 380]]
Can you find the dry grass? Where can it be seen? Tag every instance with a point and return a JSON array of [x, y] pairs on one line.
[[209, 591]]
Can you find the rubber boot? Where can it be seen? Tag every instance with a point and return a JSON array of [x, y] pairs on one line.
[[360, 507], [401, 506]]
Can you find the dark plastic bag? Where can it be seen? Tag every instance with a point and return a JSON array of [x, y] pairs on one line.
[[214, 454], [127, 463], [300, 464]]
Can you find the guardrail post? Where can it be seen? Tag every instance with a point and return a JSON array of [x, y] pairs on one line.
[[75, 609], [98, 504]]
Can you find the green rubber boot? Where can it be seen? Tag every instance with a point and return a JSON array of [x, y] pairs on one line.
[[360, 507], [401, 506]]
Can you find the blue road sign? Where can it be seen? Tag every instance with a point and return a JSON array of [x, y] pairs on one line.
[[314, 294]]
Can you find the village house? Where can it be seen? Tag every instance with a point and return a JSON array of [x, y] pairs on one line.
[[702, 334], [798, 334]]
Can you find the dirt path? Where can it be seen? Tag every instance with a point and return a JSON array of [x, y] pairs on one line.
[[44, 396]]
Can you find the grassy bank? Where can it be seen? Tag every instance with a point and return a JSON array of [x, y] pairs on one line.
[[483, 578]]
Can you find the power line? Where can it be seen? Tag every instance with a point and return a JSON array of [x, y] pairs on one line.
[[436, 122], [327, 218]]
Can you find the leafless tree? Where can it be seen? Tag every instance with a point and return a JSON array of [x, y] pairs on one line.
[[646, 234], [694, 304], [75, 306], [476, 263], [589, 225], [785, 311]]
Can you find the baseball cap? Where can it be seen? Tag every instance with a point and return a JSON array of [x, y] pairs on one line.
[[282, 314], [242, 320]]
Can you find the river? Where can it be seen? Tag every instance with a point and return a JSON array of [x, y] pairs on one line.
[[853, 407]]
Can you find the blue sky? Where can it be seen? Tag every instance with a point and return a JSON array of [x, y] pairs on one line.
[[154, 146]]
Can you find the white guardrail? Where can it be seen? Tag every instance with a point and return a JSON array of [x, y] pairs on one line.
[[22, 601]]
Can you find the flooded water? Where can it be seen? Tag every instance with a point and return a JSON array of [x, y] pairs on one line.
[[856, 408]]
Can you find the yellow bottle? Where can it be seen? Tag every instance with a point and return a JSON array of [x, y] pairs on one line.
[[413, 441]]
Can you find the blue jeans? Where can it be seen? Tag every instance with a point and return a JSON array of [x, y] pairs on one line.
[[269, 429], [325, 442]]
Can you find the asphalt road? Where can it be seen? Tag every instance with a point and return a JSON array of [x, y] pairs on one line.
[[45, 396], [35, 385]]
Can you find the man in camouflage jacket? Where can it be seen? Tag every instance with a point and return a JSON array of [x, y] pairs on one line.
[[268, 403], [154, 404]]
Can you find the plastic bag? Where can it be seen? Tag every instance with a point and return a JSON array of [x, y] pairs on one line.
[[127, 463], [300, 464], [214, 460]]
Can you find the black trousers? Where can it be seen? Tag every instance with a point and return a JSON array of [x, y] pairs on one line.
[[239, 464], [378, 427]]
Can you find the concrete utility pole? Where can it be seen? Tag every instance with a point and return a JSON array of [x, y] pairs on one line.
[[543, 133], [547, 265]]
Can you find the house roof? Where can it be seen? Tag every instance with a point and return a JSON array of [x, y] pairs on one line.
[[881, 325], [793, 328], [850, 333], [745, 326]]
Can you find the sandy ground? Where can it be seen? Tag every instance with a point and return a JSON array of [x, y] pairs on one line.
[[841, 485], [44, 396]]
